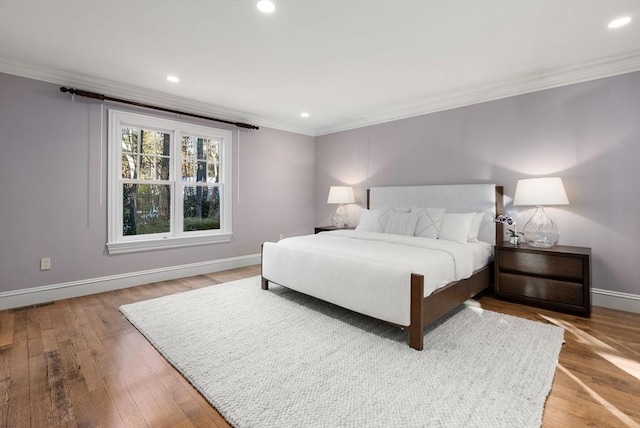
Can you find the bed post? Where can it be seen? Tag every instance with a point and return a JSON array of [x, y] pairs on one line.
[[265, 281], [416, 329]]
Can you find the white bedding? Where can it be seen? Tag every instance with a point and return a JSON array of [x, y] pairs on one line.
[[482, 253], [369, 272]]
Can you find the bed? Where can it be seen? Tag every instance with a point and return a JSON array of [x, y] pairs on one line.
[[384, 271]]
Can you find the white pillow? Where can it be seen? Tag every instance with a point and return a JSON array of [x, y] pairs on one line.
[[369, 221], [385, 212], [401, 223], [455, 227], [474, 230], [429, 221]]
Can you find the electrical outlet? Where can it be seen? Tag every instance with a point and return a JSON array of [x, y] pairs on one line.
[[45, 263]]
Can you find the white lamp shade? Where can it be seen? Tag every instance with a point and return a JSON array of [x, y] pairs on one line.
[[341, 195], [540, 191]]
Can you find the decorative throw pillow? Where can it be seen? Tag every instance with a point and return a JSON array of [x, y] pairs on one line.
[[429, 221], [401, 223], [385, 212], [474, 230], [369, 221], [455, 227]]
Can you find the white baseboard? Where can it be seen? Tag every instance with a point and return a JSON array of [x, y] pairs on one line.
[[615, 300], [49, 293]]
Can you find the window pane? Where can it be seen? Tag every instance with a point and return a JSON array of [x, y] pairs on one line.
[[200, 146], [212, 151], [149, 139], [201, 208], [212, 173], [163, 144], [201, 175], [200, 160], [213, 161], [162, 168], [146, 168], [146, 209], [188, 148], [129, 167], [130, 140], [188, 159], [188, 171]]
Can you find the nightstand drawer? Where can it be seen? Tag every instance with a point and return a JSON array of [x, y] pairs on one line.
[[542, 264], [542, 288]]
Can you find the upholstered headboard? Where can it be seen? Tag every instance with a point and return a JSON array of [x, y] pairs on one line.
[[456, 198]]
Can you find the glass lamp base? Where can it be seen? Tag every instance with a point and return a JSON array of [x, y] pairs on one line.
[[540, 231], [339, 218]]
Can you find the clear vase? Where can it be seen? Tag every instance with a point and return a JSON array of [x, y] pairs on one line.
[[540, 231]]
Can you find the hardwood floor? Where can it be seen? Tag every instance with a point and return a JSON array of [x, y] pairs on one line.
[[78, 362]]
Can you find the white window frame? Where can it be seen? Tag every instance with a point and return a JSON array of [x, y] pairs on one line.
[[117, 243]]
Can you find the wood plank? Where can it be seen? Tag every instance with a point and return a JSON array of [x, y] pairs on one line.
[[39, 408], [126, 387], [86, 412], [151, 396], [5, 386], [107, 413], [6, 329], [90, 372], [57, 390], [124, 403], [17, 410]]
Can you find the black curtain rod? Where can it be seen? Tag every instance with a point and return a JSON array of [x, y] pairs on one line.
[[102, 97]]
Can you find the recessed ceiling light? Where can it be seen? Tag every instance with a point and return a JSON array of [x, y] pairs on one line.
[[616, 23], [266, 6], [304, 114], [173, 79]]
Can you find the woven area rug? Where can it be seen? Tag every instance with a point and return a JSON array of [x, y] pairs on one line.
[[281, 359]]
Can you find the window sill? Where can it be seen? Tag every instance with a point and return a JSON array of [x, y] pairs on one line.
[[166, 243]]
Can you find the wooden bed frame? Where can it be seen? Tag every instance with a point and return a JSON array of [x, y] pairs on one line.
[[425, 310]]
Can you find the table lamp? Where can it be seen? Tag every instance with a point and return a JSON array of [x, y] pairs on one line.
[[340, 195], [540, 231]]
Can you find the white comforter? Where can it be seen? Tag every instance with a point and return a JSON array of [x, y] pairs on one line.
[[363, 271]]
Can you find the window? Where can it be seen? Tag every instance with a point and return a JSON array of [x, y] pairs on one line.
[[169, 183]]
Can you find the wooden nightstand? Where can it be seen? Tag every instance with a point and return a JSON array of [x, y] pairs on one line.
[[557, 278], [330, 228]]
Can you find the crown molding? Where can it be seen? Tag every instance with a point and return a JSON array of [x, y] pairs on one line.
[[535, 81], [531, 82], [135, 93]]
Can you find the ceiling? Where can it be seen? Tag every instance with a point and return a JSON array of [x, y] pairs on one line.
[[347, 63]]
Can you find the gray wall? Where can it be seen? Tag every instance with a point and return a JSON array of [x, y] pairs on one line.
[[587, 133], [53, 197], [53, 190]]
